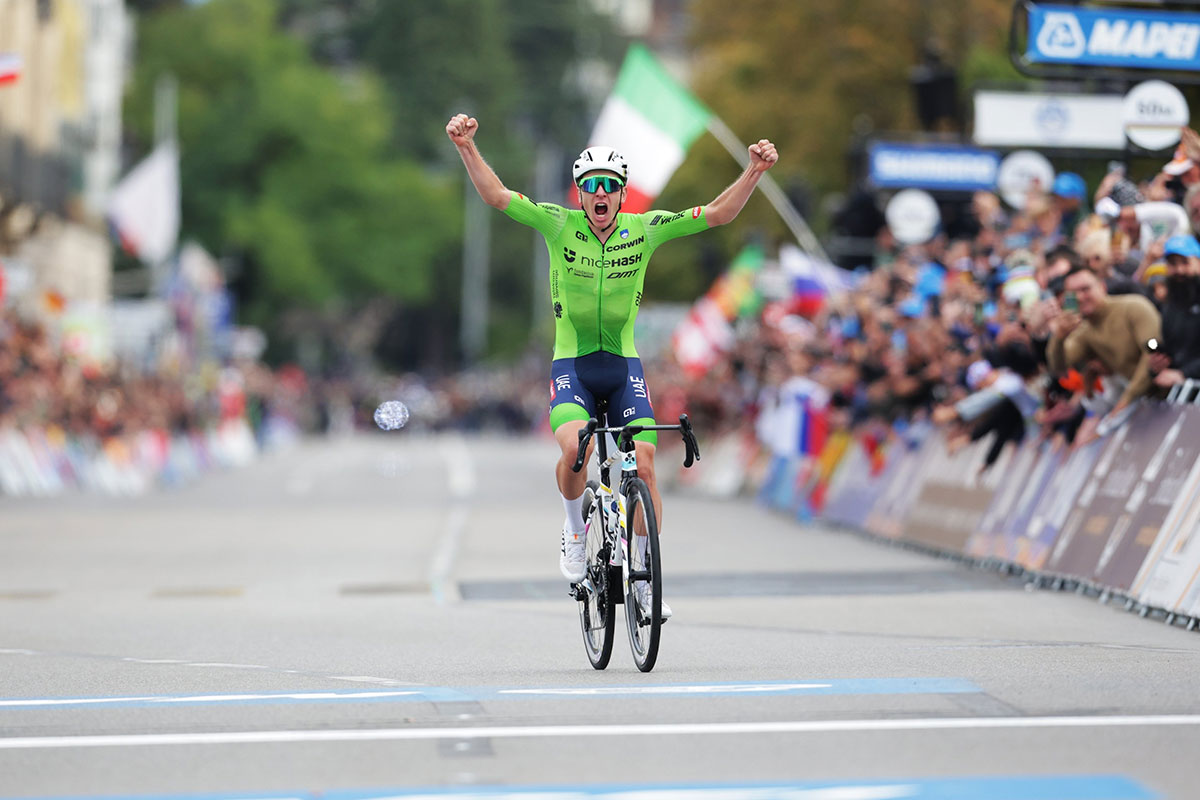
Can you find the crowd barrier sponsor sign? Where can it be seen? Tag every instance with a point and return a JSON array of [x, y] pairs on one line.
[[1122, 512], [43, 463]]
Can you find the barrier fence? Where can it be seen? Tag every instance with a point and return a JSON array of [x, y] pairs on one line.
[[1119, 516]]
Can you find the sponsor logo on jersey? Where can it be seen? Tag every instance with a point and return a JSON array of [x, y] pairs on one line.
[[558, 310], [639, 387], [624, 233], [623, 245], [580, 273], [606, 263], [569, 255], [581, 236], [627, 274], [628, 413], [561, 383], [659, 219], [637, 300], [696, 212]]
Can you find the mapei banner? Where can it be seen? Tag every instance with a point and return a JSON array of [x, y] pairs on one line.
[[1113, 38]]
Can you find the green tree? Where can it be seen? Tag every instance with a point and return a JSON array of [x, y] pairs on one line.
[[285, 163]]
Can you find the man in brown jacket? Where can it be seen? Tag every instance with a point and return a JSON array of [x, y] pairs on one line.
[[1113, 331]]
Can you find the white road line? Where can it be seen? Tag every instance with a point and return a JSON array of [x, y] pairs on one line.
[[774, 688], [202, 698], [460, 475], [562, 731]]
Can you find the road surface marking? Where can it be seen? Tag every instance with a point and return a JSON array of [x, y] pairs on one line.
[[586, 731], [447, 694], [1037, 787], [460, 476]]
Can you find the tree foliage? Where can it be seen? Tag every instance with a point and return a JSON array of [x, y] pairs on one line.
[[815, 78], [285, 163]]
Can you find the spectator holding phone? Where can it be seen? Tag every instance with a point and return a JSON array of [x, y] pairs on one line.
[[1095, 332], [1177, 356]]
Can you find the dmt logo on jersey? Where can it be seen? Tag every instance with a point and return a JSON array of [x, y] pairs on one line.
[[1061, 36]]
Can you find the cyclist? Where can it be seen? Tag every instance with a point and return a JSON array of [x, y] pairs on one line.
[[598, 261]]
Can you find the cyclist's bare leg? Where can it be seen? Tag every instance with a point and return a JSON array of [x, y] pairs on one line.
[[570, 484], [645, 468]]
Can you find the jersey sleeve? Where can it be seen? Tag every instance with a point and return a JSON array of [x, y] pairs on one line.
[[663, 226], [547, 218]]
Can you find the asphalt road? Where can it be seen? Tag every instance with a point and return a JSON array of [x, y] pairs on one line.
[[383, 617]]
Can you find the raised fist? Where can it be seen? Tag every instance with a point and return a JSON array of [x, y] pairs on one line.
[[461, 129]]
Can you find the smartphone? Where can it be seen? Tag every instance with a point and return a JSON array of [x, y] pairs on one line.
[[1070, 303]]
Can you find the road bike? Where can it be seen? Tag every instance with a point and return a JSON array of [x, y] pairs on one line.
[[623, 561]]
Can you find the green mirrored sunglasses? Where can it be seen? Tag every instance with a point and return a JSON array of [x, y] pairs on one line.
[[608, 183]]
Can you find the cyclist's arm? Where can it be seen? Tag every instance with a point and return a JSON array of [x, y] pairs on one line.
[[730, 202], [461, 131]]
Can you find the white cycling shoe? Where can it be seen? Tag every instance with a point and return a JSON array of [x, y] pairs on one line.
[[573, 559], [643, 598]]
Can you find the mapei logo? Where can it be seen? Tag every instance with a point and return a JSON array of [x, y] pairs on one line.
[[569, 255], [1061, 36]]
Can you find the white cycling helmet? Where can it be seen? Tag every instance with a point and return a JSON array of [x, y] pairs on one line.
[[597, 158]]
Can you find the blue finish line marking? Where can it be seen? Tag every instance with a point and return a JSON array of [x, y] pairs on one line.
[[446, 694], [1052, 787]]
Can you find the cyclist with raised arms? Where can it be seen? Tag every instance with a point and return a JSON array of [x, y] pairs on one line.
[[598, 260]]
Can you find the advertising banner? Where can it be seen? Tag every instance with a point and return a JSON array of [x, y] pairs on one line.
[[902, 479], [1099, 512], [1112, 37], [1036, 119], [954, 496], [853, 489], [1052, 510], [987, 540], [1018, 544], [946, 167], [1173, 453]]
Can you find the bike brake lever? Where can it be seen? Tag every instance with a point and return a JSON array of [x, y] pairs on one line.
[[689, 442], [585, 433]]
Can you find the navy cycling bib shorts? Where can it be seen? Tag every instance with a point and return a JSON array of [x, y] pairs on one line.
[[577, 383]]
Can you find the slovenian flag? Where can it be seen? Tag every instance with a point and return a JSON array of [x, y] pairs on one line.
[[652, 120], [10, 68]]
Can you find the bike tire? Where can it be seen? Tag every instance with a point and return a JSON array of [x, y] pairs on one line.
[[644, 630], [596, 608]]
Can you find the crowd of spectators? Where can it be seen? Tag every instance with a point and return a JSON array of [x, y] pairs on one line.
[[1048, 320]]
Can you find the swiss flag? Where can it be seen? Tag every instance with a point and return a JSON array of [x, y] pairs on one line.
[[10, 68]]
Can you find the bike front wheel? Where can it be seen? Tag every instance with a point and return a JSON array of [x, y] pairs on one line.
[[595, 593], [643, 576]]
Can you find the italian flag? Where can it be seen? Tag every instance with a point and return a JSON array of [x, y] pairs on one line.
[[652, 120], [10, 68]]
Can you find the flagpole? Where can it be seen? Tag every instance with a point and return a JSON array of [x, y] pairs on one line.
[[791, 217]]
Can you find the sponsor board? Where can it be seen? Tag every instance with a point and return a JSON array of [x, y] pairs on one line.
[[1112, 37], [1052, 510], [1038, 119], [954, 495], [945, 167]]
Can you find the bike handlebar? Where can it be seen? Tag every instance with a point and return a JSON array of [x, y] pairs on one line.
[[627, 432]]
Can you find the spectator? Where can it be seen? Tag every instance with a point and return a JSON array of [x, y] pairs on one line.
[[998, 405], [1108, 336], [1178, 356], [1155, 278], [1070, 193]]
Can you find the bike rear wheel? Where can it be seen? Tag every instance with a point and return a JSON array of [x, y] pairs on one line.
[[643, 576], [595, 593]]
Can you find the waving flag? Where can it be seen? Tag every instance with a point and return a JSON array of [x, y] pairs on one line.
[[144, 209], [652, 120], [10, 68]]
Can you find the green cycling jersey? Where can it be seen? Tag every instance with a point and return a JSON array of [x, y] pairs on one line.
[[596, 288]]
